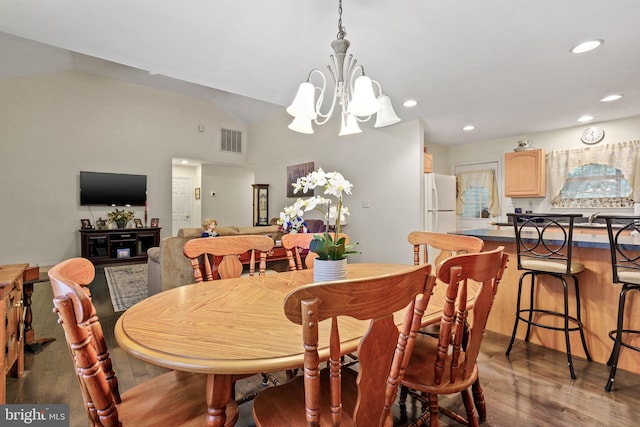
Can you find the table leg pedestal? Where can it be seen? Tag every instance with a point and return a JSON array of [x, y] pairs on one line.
[[222, 409]]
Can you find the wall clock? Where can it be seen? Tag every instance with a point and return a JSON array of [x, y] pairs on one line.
[[592, 135]]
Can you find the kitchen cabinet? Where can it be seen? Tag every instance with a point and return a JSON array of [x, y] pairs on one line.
[[428, 162], [525, 174]]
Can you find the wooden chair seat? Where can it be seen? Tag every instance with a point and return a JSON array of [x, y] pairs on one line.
[[293, 393], [336, 395], [448, 364], [420, 374], [173, 398]]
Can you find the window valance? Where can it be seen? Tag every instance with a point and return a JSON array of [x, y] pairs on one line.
[[624, 156]]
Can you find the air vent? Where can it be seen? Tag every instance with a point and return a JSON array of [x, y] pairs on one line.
[[231, 141]]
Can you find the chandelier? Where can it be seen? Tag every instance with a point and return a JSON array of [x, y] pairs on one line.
[[353, 90]]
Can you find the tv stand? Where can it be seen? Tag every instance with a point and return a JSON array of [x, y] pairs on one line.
[[119, 245]]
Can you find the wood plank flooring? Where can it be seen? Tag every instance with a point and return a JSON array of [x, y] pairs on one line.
[[531, 388]]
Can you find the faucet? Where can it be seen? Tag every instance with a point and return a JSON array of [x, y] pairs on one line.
[[593, 216]]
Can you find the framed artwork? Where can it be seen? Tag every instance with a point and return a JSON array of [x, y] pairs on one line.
[[85, 223], [197, 193], [123, 253], [293, 173], [155, 222], [138, 223]]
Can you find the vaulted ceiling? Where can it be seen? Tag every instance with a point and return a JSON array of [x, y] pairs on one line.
[[502, 65]]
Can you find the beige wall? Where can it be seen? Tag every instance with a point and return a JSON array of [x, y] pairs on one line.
[[615, 131], [385, 166], [53, 126]]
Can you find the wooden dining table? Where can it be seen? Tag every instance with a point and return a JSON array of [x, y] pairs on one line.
[[233, 328]]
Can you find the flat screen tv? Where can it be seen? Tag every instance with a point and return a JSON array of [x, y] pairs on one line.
[[108, 189]]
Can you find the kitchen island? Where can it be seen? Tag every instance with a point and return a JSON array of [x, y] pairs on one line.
[[599, 296]]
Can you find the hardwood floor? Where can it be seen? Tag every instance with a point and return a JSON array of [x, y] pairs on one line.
[[531, 388]]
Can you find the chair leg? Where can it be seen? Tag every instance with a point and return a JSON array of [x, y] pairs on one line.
[[579, 318], [434, 411], [468, 405], [566, 328], [515, 324], [531, 300], [478, 399], [615, 353]]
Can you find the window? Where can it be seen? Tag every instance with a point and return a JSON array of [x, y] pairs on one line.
[[595, 185], [604, 176], [477, 191]]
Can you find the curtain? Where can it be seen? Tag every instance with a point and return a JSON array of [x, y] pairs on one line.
[[624, 156], [482, 178]]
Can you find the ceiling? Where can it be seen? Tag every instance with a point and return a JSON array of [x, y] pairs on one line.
[[502, 65]]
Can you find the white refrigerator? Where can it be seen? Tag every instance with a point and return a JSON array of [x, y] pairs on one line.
[[440, 202]]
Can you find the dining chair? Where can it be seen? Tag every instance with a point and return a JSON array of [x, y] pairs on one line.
[[625, 266], [544, 247], [434, 248], [335, 395], [297, 248], [203, 252], [176, 398], [449, 365]]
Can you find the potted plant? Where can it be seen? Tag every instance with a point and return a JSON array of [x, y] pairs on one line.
[[121, 217], [329, 245]]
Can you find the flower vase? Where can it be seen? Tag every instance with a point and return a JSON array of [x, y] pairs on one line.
[[121, 224], [327, 270]]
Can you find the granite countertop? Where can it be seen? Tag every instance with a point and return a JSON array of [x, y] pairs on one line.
[[583, 240]]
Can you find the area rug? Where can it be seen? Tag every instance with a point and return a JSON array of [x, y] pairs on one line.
[[127, 285]]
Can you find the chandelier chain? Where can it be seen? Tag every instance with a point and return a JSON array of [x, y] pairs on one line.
[[341, 31]]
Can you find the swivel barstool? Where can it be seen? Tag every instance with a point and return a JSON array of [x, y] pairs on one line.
[[625, 263], [543, 243]]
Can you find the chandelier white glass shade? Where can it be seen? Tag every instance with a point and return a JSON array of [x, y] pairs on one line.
[[353, 91]]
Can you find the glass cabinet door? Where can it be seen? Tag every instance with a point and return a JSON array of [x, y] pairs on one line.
[[260, 204]]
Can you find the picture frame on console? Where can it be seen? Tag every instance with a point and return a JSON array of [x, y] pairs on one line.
[[155, 222], [85, 224], [138, 223], [297, 171], [123, 253]]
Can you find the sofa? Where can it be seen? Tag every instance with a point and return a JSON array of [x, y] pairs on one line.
[[169, 268]]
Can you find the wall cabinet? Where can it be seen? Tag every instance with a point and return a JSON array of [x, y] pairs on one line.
[[12, 329], [525, 174], [121, 245], [428, 162]]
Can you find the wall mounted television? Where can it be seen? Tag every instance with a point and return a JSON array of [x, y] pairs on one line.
[[108, 189]]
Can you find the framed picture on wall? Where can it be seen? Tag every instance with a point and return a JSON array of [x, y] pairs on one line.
[[297, 171]]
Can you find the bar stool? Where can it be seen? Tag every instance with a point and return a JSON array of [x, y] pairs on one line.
[[543, 243], [625, 264]]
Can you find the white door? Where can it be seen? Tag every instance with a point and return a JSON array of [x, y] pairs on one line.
[[180, 204]]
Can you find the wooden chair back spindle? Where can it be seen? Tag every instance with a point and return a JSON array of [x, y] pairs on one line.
[[203, 251]]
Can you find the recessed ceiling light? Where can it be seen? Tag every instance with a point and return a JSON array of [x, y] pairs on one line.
[[468, 127], [585, 118], [587, 46], [410, 103], [611, 98]]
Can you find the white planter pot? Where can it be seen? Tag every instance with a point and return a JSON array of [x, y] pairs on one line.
[[328, 270]]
